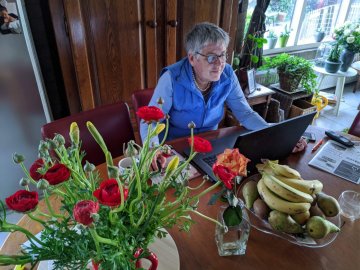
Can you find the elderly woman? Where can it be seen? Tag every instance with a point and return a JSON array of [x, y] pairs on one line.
[[197, 87]]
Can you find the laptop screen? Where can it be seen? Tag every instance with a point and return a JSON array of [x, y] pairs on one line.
[[275, 142]]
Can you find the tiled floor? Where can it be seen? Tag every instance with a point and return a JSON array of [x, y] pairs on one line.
[[347, 111], [327, 119]]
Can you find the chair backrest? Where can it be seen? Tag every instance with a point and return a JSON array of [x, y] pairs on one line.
[[355, 126], [112, 121], [141, 98]]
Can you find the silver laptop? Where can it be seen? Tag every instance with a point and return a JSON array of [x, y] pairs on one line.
[[274, 142]]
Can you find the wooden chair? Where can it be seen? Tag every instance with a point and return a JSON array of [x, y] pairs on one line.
[[112, 121], [141, 98], [355, 126]]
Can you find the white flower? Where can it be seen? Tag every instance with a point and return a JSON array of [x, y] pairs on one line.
[[347, 32], [350, 39]]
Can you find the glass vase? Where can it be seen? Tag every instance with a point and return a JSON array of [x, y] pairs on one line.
[[232, 240]]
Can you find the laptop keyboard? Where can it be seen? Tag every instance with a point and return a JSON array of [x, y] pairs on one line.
[[210, 160]]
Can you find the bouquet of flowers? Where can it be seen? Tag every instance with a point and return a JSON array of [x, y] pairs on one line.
[[348, 35], [109, 221]]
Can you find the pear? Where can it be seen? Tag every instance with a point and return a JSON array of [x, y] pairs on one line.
[[328, 205], [318, 227], [301, 218], [250, 193], [282, 222], [315, 211]]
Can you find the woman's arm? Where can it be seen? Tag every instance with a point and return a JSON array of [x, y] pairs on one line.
[[163, 90], [239, 106]]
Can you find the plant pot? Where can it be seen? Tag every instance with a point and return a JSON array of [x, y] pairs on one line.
[[346, 57], [319, 36], [289, 82], [283, 41], [271, 42], [332, 67]]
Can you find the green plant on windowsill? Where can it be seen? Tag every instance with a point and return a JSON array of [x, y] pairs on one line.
[[257, 41], [292, 70], [333, 63], [284, 36]]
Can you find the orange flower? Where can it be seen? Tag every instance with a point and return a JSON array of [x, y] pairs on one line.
[[232, 159]]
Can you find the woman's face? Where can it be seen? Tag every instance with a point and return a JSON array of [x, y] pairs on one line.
[[205, 71]]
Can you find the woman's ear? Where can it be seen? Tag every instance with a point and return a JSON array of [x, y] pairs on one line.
[[191, 58]]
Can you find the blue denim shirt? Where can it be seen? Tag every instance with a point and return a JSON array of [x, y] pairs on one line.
[[185, 103]]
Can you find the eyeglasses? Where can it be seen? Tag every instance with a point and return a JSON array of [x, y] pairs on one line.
[[211, 58]]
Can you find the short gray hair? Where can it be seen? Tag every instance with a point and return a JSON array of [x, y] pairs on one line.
[[203, 34]]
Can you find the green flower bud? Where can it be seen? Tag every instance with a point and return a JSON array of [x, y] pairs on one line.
[[89, 167], [59, 139], [74, 133], [43, 146], [52, 144], [131, 150], [17, 158], [113, 171], [95, 217], [24, 181], [42, 184], [191, 125]]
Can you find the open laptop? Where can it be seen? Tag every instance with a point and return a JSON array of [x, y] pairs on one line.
[[274, 142]]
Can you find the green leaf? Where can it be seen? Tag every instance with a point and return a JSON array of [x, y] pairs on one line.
[[254, 59], [232, 215]]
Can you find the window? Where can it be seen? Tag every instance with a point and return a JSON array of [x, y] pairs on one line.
[[305, 19]]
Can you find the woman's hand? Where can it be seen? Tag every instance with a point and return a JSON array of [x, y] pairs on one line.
[[158, 161]]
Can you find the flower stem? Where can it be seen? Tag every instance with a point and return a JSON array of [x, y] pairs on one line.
[[99, 239], [208, 218], [48, 204], [212, 187]]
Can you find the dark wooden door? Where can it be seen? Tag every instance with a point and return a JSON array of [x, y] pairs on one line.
[[119, 46]]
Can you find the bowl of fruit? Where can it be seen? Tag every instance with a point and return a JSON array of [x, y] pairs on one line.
[[283, 204]]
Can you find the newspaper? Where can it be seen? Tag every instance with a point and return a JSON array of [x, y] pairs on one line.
[[188, 173], [339, 160]]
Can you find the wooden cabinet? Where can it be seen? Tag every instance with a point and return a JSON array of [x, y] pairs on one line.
[[110, 48]]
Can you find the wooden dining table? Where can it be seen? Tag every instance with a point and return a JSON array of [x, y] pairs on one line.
[[197, 248]]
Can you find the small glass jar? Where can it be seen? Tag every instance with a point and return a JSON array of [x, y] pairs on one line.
[[232, 240]]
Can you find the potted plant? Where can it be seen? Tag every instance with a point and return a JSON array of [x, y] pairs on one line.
[[284, 37], [292, 71], [348, 36], [319, 34], [246, 72], [271, 39], [333, 63]]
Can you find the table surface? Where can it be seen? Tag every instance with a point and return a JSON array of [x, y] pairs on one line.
[[197, 249], [349, 73], [356, 65]]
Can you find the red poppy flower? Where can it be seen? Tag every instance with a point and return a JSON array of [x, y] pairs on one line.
[[109, 193], [23, 201], [34, 169], [57, 174], [201, 145], [150, 113], [224, 174]]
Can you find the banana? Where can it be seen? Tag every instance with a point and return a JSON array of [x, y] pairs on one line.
[[283, 170], [285, 191], [308, 186], [275, 202]]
